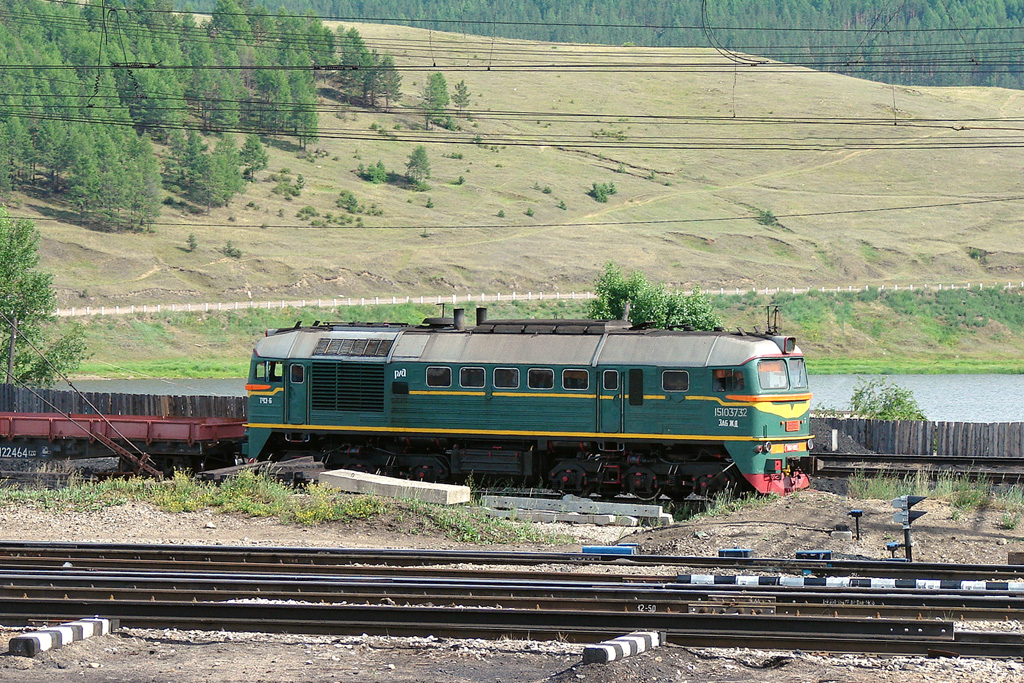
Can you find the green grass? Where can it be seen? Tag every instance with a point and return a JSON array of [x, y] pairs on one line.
[[963, 493], [722, 504], [255, 495], [468, 525], [259, 495]]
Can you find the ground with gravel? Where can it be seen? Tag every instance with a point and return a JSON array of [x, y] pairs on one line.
[[776, 528]]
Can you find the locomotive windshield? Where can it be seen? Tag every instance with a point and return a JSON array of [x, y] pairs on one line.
[[772, 374], [797, 373]]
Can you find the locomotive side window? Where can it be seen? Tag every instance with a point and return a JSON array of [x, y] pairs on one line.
[[772, 374], [506, 378], [727, 380], [541, 378], [611, 380], [675, 380], [297, 374], [438, 376], [471, 378], [575, 380], [797, 373]]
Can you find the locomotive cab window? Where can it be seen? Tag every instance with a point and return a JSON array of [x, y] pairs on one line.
[[611, 380], [772, 374], [724, 379], [297, 374], [575, 380], [259, 371], [797, 373], [438, 376], [506, 378], [274, 370], [471, 378], [675, 380], [541, 378]]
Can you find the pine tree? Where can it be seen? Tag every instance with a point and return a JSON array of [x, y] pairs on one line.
[[195, 163], [417, 169], [302, 114], [357, 61], [390, 82], [253, 156], [435, 97], [142, 176], [461, 97], [225, 179]]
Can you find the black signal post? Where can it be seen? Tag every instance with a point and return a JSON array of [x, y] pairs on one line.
[[856, 514], [905, 516]]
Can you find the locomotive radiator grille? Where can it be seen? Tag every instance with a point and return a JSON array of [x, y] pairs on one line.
[[347, 387]]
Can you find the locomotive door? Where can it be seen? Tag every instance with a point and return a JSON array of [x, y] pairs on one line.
[[295, 394], [610, 410]]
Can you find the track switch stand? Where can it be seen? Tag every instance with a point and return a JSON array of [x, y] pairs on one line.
[[905, 516]]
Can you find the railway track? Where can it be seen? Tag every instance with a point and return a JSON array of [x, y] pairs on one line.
[[1008, 470], [338, 592], [351, 561], [565, 610]]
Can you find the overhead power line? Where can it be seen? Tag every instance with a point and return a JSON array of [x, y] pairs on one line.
[[583, 224]]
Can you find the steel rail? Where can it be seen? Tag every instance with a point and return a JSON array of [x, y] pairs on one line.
[[553, 592], [910, 637], [333, 560]]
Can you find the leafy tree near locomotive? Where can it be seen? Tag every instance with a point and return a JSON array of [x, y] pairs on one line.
[[34, 353]]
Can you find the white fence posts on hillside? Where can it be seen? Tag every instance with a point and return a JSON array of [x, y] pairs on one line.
[[334, 302], [469, 298]]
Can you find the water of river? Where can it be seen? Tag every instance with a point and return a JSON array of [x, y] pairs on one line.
[[957, 398]]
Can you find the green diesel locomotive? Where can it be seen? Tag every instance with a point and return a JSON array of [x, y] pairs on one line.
[[580, 406]]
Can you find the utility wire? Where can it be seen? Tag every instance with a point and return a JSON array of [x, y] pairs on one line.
[[598, 224]]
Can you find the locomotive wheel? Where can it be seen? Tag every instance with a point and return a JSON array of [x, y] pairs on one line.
[[429, 472], [572, 479], [726, 483], [642, 483]]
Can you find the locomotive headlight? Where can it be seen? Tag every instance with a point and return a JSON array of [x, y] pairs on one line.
[[810, 445], [767, 446]]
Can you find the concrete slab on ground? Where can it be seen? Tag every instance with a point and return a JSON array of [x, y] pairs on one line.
[[361, 482], [568, 504], [568, 517]]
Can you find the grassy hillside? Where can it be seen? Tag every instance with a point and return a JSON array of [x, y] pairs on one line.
[[688, 190], [872, 331]]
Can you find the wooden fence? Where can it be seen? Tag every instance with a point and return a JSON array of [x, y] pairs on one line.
[[19, 400], [918, 437]]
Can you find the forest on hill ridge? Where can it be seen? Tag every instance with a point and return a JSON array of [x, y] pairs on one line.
[[88, 89], [921, 42]]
